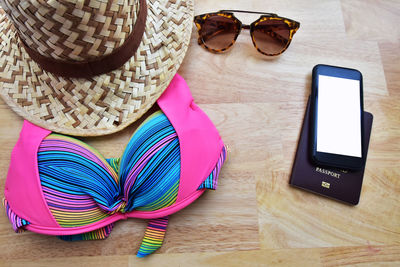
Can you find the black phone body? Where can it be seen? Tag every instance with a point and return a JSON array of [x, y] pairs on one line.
[[337, 108]]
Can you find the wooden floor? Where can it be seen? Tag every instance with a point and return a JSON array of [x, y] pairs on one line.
[[255, 217]]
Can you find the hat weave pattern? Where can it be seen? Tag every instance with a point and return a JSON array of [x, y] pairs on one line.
[[69, 31]]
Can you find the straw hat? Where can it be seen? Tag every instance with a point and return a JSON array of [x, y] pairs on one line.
[[89, 67]]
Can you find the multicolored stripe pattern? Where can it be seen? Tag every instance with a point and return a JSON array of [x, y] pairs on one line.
[[81, 187], [151, 165], [98, 234], [114, 163], [17, 222], [153, 237], [211, 181], [78, 184]]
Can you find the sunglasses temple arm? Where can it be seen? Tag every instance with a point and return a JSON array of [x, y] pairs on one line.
[[250, 12]]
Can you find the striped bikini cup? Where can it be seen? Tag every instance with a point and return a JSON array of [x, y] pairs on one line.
[[86, 193]]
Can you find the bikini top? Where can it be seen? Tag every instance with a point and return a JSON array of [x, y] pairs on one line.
[[58, 185]]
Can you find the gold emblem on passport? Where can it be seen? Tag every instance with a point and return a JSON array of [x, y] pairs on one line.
[[325, 184]]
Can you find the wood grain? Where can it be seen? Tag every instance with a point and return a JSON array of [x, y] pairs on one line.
[[344, 256], [255, 218]]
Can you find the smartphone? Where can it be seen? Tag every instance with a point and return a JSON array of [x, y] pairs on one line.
[[337, 117]]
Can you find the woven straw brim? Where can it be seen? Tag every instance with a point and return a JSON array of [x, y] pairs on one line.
[[106, 103]]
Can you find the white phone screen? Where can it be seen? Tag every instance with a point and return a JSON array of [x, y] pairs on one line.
[[339, 116]]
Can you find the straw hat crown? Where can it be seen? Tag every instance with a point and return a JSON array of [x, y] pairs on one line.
[[89, 67], [73, 30]]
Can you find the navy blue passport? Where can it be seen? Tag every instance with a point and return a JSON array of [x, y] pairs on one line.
[[338, 184]]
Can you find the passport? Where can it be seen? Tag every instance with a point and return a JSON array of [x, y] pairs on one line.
[[342, 185]]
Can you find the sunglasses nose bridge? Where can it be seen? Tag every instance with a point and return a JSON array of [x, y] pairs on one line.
[[246, 26]]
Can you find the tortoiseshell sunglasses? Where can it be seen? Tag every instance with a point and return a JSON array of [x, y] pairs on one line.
[[271, 34]]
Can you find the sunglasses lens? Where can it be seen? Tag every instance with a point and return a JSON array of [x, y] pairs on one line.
[[271, 36], [218, 32]]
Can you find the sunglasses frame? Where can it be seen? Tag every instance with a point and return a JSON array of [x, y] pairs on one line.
[[200, 19]]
